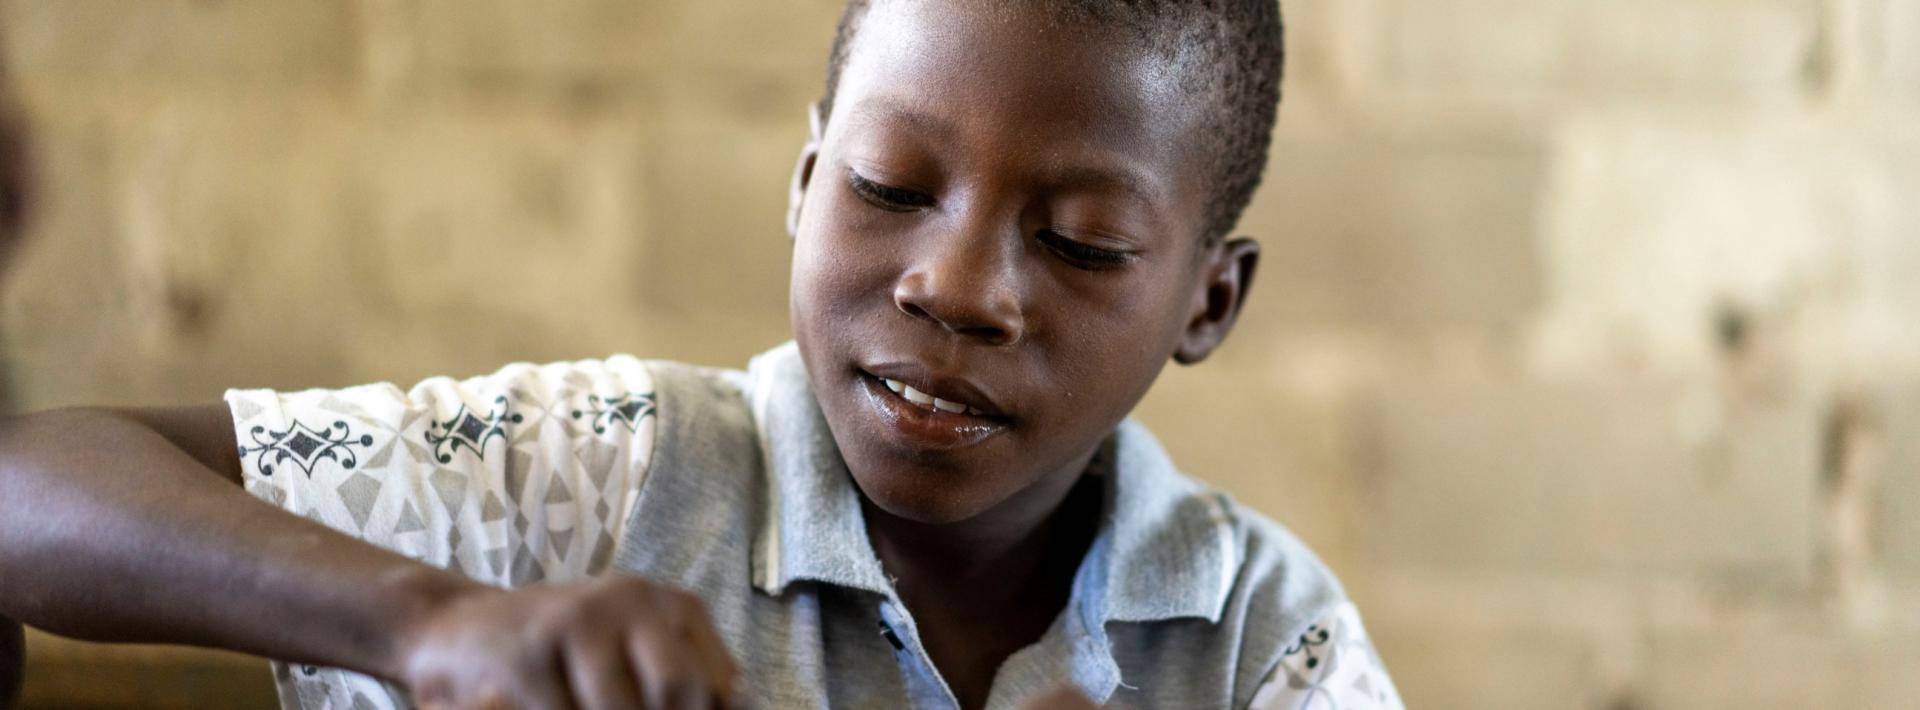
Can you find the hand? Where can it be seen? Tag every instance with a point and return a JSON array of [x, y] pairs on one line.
[[615, 642], [1061, 697]]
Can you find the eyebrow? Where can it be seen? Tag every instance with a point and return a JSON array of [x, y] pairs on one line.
[[876, 108], [1084, 177], [1127, 181]]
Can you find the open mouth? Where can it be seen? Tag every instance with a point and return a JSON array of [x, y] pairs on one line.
[[923, 420], [921, 399]]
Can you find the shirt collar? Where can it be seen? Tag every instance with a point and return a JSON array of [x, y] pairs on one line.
[[812, 527], [1168, 548]]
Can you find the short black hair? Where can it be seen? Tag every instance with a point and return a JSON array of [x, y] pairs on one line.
[[1240, 55]]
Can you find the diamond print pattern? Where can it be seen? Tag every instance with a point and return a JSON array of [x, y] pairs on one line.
[[526, 567], [519, 473], [410, 520], [472, 428], [547, 506], [558, 493], [452, 488], [602, 551], [304, 445], [359, 493]]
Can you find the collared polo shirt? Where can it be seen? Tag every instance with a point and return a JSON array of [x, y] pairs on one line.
[[728, 483]]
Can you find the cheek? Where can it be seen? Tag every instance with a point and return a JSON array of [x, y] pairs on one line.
[[1130, 316], [1110, 350], [839, 266]]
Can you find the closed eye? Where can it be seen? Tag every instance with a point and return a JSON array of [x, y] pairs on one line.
[[887, 197], [1082, 255]]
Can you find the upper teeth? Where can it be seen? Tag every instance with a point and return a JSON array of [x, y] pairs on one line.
[[926, 400]]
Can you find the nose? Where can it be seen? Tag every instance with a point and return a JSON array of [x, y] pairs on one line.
[[968, 286]]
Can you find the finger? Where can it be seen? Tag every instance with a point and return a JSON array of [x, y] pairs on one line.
[[493, 699], [496, 702], [1061, 697], [542, 684], [700, 633], [601, 675], [670, 677]]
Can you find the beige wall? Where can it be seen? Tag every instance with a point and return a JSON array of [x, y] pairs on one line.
[[1586, 346]]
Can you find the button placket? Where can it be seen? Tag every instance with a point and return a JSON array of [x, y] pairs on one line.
[[927, 687]]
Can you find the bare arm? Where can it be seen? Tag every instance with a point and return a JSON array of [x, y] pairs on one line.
[[204, 432], [112, 530], [129, 526]]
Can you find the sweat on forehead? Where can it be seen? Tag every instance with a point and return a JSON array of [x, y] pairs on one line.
[[1231, 52]]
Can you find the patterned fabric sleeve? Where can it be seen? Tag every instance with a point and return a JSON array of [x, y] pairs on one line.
[[525, 475], [1331, 666]]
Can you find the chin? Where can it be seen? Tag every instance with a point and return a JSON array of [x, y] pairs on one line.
[[923, 496]]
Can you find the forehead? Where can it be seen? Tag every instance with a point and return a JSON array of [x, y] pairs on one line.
[[1021, 88]]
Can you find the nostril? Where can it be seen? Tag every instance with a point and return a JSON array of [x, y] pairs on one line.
[[991, 316], [909, 308], [986, 333]]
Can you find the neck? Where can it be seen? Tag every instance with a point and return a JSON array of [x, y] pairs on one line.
[[983, 588], [1027, 547]]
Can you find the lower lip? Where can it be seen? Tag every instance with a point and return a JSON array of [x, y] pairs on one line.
[[926, 429]]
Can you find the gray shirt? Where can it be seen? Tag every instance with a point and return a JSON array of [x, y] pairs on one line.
[[729, 484]]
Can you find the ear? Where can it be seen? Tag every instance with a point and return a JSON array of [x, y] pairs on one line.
[[1222, 290], [803, 170]]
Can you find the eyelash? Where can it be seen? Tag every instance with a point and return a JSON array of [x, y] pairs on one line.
[[894, 199], [887, 197], [1082, 256]]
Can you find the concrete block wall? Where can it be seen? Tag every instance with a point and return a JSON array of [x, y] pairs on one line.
[[1584, 345]]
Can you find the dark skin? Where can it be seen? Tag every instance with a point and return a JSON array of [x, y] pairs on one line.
[[1014, 220], [1024, 238]]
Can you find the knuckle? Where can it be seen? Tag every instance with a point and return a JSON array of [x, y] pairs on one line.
[[490, 696], [555, 620], [678, 687], [686, 604]]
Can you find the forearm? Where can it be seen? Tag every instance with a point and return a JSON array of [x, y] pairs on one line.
[[108, 532]]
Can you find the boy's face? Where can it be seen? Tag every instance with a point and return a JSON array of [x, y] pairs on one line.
[[1005, 215]]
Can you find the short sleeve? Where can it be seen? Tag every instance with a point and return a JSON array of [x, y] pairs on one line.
[[521, 476], [1332, 664], [525, 475]]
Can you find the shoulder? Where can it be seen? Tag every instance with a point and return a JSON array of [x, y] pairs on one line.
[[1227, 562], [1282, 583], [1301, 637], [1331, 664], [1278, 628], [1186, 549]]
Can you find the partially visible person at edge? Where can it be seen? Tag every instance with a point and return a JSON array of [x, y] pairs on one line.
[[13, 217], [1009, 216]]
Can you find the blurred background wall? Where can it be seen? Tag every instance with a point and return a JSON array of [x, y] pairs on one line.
[[1586, 346]]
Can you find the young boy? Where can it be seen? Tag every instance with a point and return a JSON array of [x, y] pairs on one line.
[[1011, 214]]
